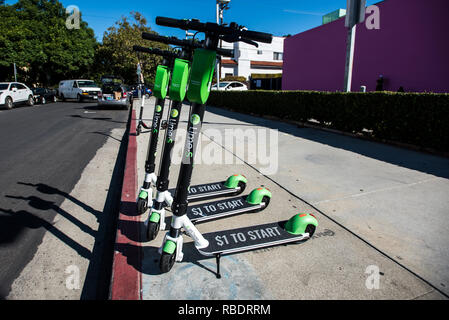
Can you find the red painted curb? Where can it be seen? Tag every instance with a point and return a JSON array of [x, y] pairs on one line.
[[126, 282]]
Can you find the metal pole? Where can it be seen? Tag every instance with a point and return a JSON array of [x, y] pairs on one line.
[[350, 46], [218, 64], [15, 72]]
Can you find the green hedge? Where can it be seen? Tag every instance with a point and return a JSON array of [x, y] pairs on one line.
[[421, 119]]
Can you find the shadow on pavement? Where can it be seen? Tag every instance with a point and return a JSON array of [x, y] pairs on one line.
[[414, 160], [95, 118]]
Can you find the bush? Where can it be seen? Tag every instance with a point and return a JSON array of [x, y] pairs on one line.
[[421, 119]]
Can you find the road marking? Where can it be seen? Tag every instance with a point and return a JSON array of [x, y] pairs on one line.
[[89, 112]]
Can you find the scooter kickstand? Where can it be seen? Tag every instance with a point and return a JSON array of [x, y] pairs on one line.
[[218, 257]]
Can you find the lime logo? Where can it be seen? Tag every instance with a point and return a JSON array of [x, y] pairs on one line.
[[174, 113], [195, 119], [169, 141], [158, 108]]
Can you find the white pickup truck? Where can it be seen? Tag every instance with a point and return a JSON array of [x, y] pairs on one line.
[[79, 90]]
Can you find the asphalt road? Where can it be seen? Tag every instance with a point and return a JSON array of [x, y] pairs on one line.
[[43, 151]]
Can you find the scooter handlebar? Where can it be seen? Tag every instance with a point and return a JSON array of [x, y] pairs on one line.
[[182, 43], [232, 30]]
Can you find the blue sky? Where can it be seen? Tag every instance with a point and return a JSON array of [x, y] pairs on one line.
[[279, 17]]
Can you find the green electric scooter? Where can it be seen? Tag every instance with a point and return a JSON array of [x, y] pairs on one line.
[[299, 228], [233, 186], [172, 77]]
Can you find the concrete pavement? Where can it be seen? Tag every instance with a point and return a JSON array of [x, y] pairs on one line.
[[363, 194]]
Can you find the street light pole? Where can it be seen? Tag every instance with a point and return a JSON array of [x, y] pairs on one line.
[[355, 14], [221, 6]]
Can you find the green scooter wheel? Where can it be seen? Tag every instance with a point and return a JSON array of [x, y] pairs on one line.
[[153, 230], [167, 262], [142, 206]]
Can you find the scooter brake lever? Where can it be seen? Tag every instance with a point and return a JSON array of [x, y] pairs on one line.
[[251, 42]]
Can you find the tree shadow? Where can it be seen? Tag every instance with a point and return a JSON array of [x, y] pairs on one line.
[[414, 160]]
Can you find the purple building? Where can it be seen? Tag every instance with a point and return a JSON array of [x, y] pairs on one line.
[[410, 50]]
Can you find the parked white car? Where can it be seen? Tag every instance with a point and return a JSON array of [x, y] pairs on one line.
[[12, 93], [230, 86], [79, 90]]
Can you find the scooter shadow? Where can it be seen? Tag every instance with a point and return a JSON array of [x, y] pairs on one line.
[[151, 259]]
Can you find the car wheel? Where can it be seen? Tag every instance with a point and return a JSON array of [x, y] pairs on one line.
[[62, 98], [30, 102], [79, 98], [55, 99], [8, 103], [43, 101]]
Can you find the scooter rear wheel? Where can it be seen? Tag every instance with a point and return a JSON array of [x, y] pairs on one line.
[[167, 262], [153, 230]]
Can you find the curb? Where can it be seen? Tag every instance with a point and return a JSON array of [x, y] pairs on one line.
[[126, 280]]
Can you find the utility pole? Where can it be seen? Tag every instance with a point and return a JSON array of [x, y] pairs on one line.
[[221, 6], [355, 14], [15, 72]]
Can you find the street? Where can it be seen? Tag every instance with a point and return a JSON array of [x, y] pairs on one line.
[[43, 152]]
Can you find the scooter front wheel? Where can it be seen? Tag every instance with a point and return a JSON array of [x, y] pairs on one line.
[[142, 206], [153, 230], [167, 262]]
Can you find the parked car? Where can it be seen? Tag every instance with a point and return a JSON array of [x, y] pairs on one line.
[[114, 93], [230, 86], [145, 91], [12, 93], [79, 90], [44, 95]]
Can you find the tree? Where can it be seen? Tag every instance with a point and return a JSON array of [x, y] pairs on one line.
[[115, 55], [35, 37]]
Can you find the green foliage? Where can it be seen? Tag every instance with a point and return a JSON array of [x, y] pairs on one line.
[[234, 78], [35, 37], [414, 118], [115, 54]]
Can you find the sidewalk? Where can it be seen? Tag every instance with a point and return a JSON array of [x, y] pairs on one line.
[[369, 199]]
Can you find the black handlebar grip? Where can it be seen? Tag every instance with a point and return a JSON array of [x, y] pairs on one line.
[[225, 52], [154, 37], [257, 36], [142, 49], [170, 22]]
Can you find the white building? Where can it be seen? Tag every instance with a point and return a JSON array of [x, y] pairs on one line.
[[248, 60]]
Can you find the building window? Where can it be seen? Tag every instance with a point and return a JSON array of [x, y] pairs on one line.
[[259, 51], [278, 56]]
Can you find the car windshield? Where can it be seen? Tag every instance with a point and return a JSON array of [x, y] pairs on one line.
[[222, 85], [109, 81], [87, 84], [38, 90], [4, 86]]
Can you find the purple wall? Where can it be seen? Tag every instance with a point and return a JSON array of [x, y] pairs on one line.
[[411, 50]]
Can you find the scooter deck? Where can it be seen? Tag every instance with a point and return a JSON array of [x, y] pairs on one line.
[[220, 209], [209, 190], [249, 238]]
